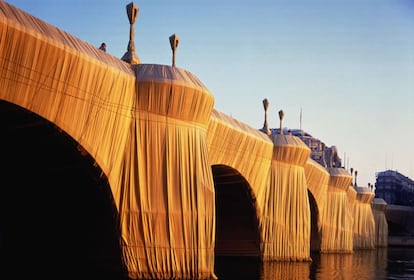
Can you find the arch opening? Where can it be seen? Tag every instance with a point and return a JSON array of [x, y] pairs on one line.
[[57, 213], [315, 240], [237, 227]]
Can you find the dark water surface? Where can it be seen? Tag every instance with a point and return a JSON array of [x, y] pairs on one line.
[[383, 263]]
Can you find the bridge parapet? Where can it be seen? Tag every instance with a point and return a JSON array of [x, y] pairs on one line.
[[379, 204], [364, 194], [290, 149], [174, 93], [339, 179], [32, 34]]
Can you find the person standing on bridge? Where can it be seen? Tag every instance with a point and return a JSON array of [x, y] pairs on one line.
[[103, 47]]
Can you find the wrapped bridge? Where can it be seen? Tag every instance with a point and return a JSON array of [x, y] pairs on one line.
[[113, 166]]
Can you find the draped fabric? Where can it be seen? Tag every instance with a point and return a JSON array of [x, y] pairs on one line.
[[351, 194], [153, 132], [337, 227], [248, 151], [364, 223], [85, 92], [379, 207], [286, 215], [241, 147], [146, 128], [167, 207], [317, 179], [274, 169]]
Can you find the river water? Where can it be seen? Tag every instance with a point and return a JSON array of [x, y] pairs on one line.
[[382, 263]]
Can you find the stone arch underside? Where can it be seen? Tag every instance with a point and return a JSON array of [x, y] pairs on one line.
[[237, 227], [57, 210]]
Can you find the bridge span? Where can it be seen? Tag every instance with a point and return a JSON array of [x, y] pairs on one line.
[[130, 167]]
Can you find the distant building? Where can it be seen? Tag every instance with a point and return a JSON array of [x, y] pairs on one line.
[[325, 156], [394, 188]]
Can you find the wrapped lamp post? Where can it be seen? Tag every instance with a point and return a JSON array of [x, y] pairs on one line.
[[174, 40], [130, 56]]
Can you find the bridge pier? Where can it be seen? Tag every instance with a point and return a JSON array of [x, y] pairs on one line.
[[364, 223], [337, 231], [166, 199], [286, 223], [379, 207]]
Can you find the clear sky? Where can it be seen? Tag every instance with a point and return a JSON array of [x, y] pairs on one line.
[[347, 64]]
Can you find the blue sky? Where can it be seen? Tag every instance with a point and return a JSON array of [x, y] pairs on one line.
[[348, 65]]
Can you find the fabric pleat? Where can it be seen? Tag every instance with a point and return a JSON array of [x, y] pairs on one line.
[[167, 206], [337, 221], [285, 224], [153, 131], [364, 223]]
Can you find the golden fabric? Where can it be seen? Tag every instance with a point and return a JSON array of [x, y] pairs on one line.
[[167, 205], [381, 225], [364, 223], [153, 132], [144, 125], [241, 147], [351, 194], [290, 149], [286, 215], [337, 221], [274, 169], [317, 179]]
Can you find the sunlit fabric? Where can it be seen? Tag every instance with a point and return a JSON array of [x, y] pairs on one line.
[[337, 222], [144, 125], [153, 132], [84, 91], [241, 147], [167, 194], [317, 179], [351, 194], [287, 212], [274, 169], [381, 225], [248, 151], [364, 223]]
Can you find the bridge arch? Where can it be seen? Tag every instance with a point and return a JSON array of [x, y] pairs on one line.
[[237, 226], [56, 208], [315, 240]]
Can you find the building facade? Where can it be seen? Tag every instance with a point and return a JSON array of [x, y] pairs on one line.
[[394, 188]]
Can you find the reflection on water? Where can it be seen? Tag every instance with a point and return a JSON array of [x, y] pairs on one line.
[[382, 263]]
